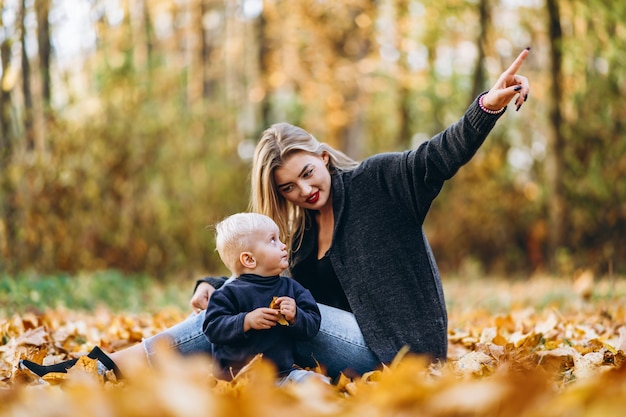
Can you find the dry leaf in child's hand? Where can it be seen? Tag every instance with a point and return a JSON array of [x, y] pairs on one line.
[[281, 318]]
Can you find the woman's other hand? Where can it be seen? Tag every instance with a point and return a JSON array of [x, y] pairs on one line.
[[508, 85], [200, 299]]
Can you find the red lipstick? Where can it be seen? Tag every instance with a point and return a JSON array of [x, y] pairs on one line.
[[313, 198]]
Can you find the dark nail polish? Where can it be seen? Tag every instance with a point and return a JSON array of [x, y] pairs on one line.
[[525, 97], [528, 48], [517, 87], [518, 106]]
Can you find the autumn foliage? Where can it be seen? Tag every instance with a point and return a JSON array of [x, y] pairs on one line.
[[118, 154], [563, 358]]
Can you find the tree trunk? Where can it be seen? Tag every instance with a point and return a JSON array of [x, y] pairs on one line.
[[556, 144], [26, 78], [352, 134], [43, 38], [264, 71], [404, 92], [8, 210], [148, 34], [194, 44], [5, 101], [478, 83], [205, 52], [42, 105]]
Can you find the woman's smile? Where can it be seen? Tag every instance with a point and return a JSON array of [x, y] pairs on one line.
[[312, 199]]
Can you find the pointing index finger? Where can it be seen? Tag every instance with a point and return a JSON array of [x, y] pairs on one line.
[[518, 61]]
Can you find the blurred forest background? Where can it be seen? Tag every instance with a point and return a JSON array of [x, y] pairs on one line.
[[127, 126]]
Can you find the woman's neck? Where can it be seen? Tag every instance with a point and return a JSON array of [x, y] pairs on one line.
[[325, 225]]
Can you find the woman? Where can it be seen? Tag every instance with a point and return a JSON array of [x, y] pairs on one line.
[[356, 239]]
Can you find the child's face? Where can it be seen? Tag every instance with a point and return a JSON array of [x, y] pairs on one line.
[[270, 253]]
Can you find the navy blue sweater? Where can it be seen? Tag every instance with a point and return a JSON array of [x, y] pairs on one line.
[[223, 323]]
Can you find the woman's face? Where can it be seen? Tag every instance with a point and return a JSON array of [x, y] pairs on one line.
[[304, 180]]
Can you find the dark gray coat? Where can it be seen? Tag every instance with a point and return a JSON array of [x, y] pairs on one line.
[[379, 251]]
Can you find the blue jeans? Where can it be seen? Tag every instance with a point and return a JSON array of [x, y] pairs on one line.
[[338, 347]]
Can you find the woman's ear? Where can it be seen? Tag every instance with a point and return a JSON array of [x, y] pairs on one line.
[[325, 158], [247, 260]]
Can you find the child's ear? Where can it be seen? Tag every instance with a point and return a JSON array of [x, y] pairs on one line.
[[247, 260]]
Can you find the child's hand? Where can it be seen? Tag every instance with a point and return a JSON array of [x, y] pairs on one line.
[[262, 318], [287, 307]]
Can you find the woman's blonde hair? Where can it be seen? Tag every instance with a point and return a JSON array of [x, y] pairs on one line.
[[278, 143], [234, 235]]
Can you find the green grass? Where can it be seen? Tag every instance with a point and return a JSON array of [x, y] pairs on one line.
[[139, 293], [114, 290], [500, 295]]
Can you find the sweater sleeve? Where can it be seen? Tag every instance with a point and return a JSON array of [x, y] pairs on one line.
[[441, 157], [308, 316], [215, 282], [223, 323], [415, 177]]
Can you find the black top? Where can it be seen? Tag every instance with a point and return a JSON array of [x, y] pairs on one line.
[[319, 277]]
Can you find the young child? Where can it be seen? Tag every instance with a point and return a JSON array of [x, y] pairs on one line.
[[239, 321]]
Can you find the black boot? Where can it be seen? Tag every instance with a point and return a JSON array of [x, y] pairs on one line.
[[62, 367]]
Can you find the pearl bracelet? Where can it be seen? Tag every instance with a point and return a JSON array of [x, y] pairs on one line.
[[486, 110]]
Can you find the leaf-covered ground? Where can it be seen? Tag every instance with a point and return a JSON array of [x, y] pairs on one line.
[[536, 348]]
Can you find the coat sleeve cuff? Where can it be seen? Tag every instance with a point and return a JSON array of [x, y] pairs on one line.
[[215, 282], [481, 120]]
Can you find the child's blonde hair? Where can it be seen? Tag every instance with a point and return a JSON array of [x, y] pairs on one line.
[[233, 236]]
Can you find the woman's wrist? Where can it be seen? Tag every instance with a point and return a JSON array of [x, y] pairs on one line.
[[486, 110]]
